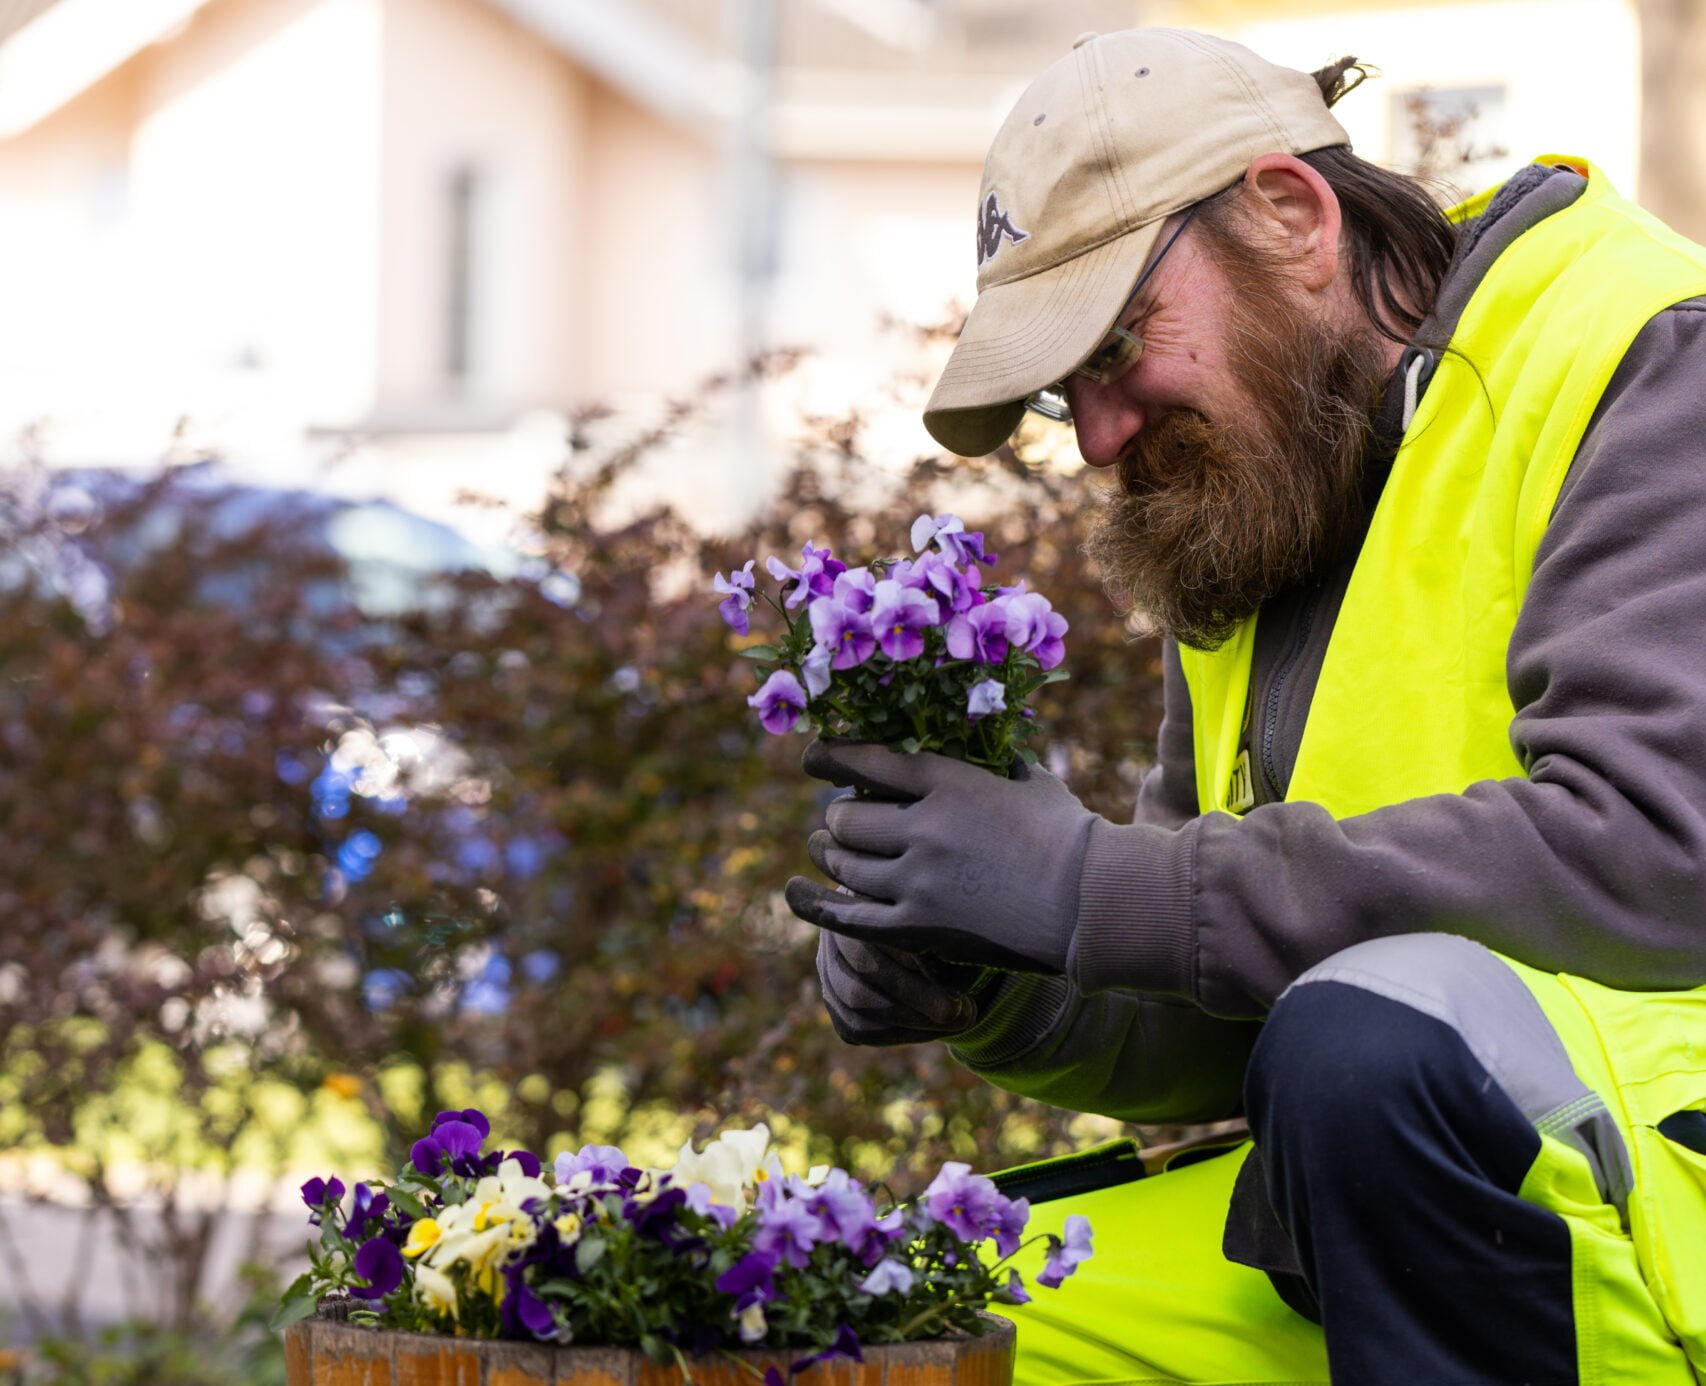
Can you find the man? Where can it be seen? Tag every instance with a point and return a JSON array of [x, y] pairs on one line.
[[1419, 883]]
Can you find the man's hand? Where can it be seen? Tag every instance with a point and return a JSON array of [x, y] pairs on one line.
[[876, 995], [946, 858]]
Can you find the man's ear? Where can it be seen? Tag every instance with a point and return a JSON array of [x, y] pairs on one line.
[[1296, 207]]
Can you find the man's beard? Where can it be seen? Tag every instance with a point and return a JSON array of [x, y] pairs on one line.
[[1211, 518]]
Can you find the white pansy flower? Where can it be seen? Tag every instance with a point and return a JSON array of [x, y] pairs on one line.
[[727, 1166], [433, 1289], [753, 1326]]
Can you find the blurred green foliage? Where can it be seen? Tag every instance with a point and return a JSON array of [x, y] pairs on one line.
[[283, 878]]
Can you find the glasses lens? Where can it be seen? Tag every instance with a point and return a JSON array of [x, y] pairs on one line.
[[1051, 404]]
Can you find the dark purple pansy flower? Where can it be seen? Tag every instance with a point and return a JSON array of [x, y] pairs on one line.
[[750, 1280], [452, 1139], [380, 1264], [846, 1344], [779, 702], [655, 1217], [472, 1116], [532, 1313], [317, 1191], [528, 1161], [368, 1206]]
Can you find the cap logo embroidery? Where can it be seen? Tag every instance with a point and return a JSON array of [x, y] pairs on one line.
[[992, 225]]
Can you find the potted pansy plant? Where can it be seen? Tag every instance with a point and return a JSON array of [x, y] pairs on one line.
[[477, 1265], [922, 653]]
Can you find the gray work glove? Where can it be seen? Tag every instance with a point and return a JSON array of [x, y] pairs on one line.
[[946, 858], [876, 995]]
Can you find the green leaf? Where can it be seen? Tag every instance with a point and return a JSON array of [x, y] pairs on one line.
[[911, 745], [408, 1202], [294, 1309], [588, 1252], [761, 652]]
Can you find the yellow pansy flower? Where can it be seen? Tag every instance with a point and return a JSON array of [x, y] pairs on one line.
[[423, 1236]]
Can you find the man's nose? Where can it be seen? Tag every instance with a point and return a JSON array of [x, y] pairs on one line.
[[1105, 419]]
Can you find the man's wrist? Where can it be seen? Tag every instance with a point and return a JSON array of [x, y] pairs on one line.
[[1135, 926]]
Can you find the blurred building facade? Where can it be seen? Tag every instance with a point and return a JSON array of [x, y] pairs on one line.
[[429, 219]]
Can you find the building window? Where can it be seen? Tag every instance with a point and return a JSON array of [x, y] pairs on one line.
[[463, 208], [1455, 134]]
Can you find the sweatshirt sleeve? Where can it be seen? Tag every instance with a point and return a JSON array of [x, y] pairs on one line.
[[1119, 1053], [1593, 864]]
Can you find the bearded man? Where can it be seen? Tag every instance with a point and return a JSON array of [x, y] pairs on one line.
[[1418, 884]]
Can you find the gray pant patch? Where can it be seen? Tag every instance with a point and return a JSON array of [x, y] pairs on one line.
[[1461, 984]]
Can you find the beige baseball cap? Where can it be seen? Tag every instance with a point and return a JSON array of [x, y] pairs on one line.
[[1122, 132]]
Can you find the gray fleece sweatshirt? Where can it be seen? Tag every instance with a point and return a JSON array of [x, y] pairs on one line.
[[1595, 863]]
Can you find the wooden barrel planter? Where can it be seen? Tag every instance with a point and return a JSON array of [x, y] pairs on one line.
[[323, 1351]]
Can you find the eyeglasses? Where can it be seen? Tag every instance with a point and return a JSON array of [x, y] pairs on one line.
[[1120, 350]]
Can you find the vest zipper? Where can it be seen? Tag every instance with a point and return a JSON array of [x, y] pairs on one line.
[[1270, 709]]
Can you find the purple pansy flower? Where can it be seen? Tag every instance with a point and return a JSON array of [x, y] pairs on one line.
[[949, 534], [899, 618], [815, 670], [1011, 1215], [838, 627], [738, 599], [787, 1229], [984, 697], [844, 1208], [1035, 627], [1072, 1251], [815, 577], [702, 1201], [889, 1275], [953, 587], [1015, 1292], [980, 634], [380, 1264], [779, 702], [606, 1163], [856, 588], [963, 1202]]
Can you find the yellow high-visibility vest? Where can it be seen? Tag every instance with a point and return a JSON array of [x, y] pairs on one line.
[[1412, 698]]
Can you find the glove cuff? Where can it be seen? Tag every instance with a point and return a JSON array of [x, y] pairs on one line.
[[1135, 928], [1015, 1013]]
